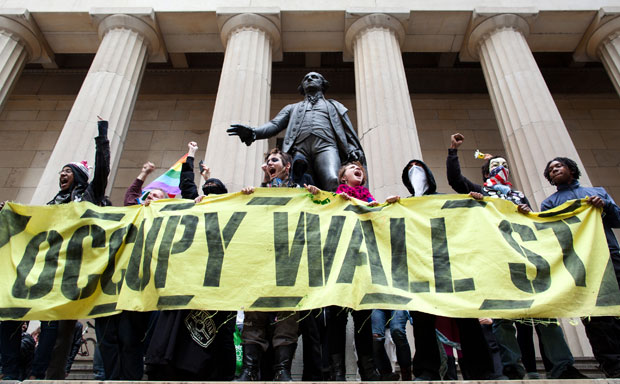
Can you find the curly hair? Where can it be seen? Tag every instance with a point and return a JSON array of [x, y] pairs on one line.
[[568, 163]]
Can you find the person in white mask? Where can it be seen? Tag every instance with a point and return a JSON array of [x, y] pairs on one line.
[[476, 363]]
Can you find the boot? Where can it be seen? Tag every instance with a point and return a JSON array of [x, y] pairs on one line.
[[367, 369], [283, 358], [251, 362], [338, 369], [405, 374]]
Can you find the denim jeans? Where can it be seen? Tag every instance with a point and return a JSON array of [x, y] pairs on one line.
[[551, 336], [397, 322]]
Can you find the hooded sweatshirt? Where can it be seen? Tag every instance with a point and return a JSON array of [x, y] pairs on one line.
[[430, 179]]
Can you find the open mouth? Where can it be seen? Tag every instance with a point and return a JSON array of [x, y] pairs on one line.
[[272, 171], [357, 174]]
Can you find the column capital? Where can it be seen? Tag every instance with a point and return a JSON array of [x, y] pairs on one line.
[[359, 20], [139, 20], [20, 24], [485, 21], [605, 27], [230, 20]]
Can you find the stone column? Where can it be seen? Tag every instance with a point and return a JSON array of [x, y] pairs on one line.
[[109, 90], [385, 120], [530, 124], [243, 96], [602, 42], [20, 42]]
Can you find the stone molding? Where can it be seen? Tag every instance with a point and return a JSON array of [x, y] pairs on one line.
[[139, 20], [485, 21], [604, 28], [230, 20], [357, 21], [23, 28]]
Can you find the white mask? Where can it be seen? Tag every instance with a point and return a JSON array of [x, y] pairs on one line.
[[417, 177]]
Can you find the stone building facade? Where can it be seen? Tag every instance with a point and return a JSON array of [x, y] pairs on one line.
[[527, 79]]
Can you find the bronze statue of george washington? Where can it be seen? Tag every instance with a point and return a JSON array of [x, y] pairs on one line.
[[318, 131]]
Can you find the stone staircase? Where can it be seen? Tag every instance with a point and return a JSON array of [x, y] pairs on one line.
[[83, 370]]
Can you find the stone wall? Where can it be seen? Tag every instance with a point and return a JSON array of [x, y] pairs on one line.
[[163, 124]]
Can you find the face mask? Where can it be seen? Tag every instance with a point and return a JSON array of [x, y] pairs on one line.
[[417, 177]]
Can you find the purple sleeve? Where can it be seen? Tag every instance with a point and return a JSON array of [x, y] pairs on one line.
[[133, 193]]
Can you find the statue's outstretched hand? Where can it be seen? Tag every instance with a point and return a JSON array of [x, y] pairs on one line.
[[245, 133], [356, 155]]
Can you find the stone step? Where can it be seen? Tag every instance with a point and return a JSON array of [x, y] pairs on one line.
[[83, 370]]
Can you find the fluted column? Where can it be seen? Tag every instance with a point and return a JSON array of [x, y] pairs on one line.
[[20, 42], [109, 90], [602, 42], [530, 124], [243, 97], [385, 120]]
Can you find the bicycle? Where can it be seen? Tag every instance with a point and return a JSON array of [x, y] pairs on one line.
[[85, 348]]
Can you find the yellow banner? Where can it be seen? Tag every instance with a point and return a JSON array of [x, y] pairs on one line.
[[287, 249]]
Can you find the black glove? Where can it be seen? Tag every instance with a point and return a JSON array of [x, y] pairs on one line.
[[356, 155], [245, 133], [102, 126]]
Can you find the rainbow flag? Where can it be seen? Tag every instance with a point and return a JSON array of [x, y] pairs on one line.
[[169, 181]]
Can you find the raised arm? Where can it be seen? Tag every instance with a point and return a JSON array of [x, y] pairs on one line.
[[134, 191], [187, 184], [457, 181], [102, 162]]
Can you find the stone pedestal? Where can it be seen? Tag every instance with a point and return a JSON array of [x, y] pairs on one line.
[[385, 120], [20, 42], [243, 97], [530, 124], [109, 90]]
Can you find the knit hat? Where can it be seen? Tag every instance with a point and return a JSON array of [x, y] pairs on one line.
[[81, 167]]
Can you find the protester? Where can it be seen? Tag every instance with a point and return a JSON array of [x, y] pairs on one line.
[[603, 332], [476, 362], [122, 337], [495, 173], [191, 344], [285, 323], [51, 356]]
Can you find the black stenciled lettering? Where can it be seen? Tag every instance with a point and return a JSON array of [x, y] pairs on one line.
[[353, 258], [121, 236], [441, 261], [398, 243], [11, 224], [331, 243], [571, 260], [75, 252], [518, 272], [313, 242], [216, 242], [142, 252], [376, 268], [287, 261], [45, 282], [167, 247]]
